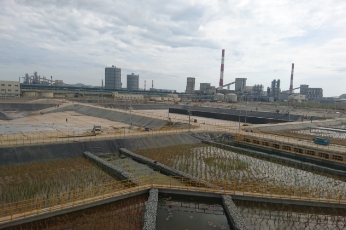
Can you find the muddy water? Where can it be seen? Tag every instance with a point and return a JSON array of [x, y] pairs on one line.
[[258, 216], [188, 212]]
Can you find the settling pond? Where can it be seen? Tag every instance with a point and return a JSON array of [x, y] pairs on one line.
[[263, 216], [190, 212], [127, 214], [214, 164]]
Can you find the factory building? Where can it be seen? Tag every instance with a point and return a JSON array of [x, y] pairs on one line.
[[9, 89], [274, 91], [240, 84], [190, 85], [132, 82], [311, 93], [204, 86], [113, 78]]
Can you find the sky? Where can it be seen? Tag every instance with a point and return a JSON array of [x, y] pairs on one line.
[[168, 41]]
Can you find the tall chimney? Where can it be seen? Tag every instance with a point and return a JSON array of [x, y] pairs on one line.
[[152, 83], [291, 85], [145, 84], [222, 68]]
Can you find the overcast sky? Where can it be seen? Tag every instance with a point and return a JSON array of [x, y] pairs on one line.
[[168, 41]]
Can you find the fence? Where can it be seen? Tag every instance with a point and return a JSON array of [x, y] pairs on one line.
[[75, 136], [73, 198], [296, 142], [341, 141]]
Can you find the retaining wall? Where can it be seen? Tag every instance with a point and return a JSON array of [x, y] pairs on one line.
[[4, 116], [233, 214], [300, 125], [227, 117], [24, 106], [235, 115], [163, 168], [151, 210], [113, 116], [34, 153], [121, 174]]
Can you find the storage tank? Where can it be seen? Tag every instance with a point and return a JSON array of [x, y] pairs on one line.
[[132, 82], [29, 94], [46, 94], [219, 97], [70, 95], [231, 97]]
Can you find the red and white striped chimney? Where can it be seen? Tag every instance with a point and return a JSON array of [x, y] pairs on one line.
[[222, 68], [291, 85]]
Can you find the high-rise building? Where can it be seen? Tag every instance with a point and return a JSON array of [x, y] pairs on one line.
[[132, 82], [113, 78], [9, 89], [190, 85]]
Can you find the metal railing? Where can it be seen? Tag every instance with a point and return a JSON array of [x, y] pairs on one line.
[[293, 142], [32, 207]]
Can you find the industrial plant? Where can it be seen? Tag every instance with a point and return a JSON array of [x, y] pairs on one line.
[[37, 86], [113, 157]]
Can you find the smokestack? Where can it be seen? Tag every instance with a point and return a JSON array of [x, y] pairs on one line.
[[222, 68], [152, 83], [291, 85], [145, 84]]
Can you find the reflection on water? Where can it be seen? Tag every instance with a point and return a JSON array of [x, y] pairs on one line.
[[189, 212], [263, 216]]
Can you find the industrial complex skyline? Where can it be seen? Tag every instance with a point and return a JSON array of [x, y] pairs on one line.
[[170, 41]]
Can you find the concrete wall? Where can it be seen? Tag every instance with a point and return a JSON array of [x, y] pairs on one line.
[[228, 117], [121, 174]]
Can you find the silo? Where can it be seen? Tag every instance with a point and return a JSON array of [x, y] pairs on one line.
[[132, 82], [219, 97], [29, 94], [46, 94], [231, 97]]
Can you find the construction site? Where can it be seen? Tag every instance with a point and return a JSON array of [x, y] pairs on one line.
[[132, 164]]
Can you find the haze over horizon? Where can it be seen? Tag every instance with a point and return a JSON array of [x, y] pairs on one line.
[[170, 41]]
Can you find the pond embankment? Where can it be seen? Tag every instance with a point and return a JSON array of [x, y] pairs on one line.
[[35, 153]]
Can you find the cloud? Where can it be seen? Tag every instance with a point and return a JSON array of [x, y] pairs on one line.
[[168, 41]]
